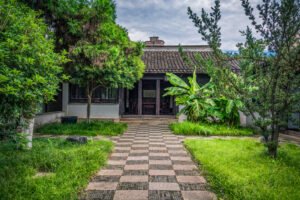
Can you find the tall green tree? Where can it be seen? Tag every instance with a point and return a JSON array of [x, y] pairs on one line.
[[30, 69], [101, 52], [267, 84]]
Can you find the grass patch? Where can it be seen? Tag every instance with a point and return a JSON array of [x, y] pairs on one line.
[[93, 128], [67, 167], [240, 169], [190, 128]]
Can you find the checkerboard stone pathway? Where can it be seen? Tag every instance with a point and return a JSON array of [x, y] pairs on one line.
[[148, 163]]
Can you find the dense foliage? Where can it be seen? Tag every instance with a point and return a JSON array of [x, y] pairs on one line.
[[237, 169], [93, 128], [101, 52], [200, 103], [267, 84], [70, 167], [30, 69], [206, 129]]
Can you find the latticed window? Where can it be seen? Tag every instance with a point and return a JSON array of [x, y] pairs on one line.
[[101, 95]]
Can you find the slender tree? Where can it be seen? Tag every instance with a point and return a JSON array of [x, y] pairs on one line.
[[267, 83]]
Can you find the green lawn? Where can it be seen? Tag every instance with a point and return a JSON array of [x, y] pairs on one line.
[[72, 166], [190, 128], [94, 128], [240, 169]]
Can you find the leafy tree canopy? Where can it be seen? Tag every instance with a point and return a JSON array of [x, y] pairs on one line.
[[30, 69], [100, 50]]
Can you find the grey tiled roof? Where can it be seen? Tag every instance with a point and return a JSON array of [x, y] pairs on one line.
[[167, 59]]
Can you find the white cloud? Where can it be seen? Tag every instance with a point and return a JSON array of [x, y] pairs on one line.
[[168, 19]]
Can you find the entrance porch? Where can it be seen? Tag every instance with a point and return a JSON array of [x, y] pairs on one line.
[[146, 98]]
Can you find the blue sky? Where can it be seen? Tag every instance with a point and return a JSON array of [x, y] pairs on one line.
[[168, 19]]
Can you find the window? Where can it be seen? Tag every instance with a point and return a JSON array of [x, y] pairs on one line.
[[101, 95]]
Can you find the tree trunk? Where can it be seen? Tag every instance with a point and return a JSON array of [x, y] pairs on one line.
[[273, 144], [28, 131], [88, 111]]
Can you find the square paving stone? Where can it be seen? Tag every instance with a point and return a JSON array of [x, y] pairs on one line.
[[154, 172], [158, 151], [191, 179], [135, 162], [160, 162], [100, 195], [102, 186], [159, 154], [131, 195], [168, 179], [186, 172], [159, 158], [175, 148], [138, 154], [110, 172], [139, 148], [135, 172], [134, 179], [180, 162], [139, 151], [165, 195], [121, 167], [164, 186], [162, 167], [137, 167], [184, 167], [133, 186], [181, 158], [158, 148], [106, 179], [192, 186], [138, 158], [199, 195]]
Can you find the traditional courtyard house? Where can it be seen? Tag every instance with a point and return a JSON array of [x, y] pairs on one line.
[[145, 99]]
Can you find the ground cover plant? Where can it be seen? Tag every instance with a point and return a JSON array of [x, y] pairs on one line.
[[72, 166], [93, 128], [241, 169], [205, 129]]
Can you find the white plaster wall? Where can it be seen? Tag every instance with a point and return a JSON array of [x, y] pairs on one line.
[[47, 118], [99, 111], [105, 111]]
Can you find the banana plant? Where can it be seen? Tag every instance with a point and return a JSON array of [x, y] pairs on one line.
[[202, 103], [195, 99]]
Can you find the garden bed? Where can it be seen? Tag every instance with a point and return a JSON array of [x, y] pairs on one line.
[[93, 128], [53, 169], [190, 128], [241, 169]]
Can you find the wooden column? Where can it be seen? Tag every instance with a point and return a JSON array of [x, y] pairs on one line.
[[140, 97], [157, 97]]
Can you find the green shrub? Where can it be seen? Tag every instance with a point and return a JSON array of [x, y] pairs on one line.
[[71, 166], [240, 169], [83, 128], [191, 128]]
